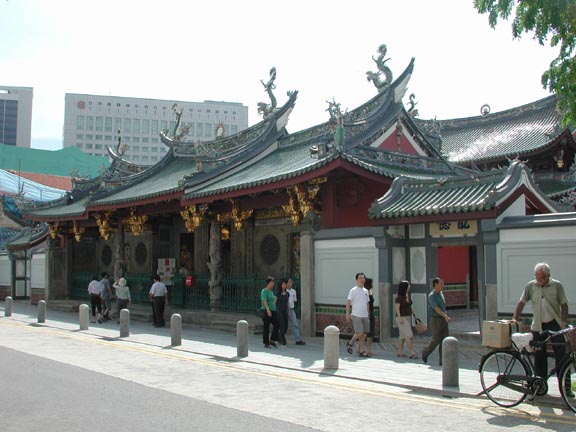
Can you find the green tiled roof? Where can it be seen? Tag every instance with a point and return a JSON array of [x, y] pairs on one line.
[[57, 210], [58, 162], [461, 194], [556, 187], [507, 134]]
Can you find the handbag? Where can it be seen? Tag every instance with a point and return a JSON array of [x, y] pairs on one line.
[[420, 326]]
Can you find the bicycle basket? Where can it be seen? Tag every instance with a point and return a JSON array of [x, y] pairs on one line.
[[571, 338]]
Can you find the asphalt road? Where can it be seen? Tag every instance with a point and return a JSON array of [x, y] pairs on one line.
[[49, 396]]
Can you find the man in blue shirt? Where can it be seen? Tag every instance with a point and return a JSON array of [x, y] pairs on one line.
[[439, 321]]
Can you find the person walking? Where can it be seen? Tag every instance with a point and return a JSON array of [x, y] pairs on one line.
[[357, 312], [122, 295], [404, 313], [438, 322], [292, 313], [106, 296], [550, 312], [95, 292], [268, 304], [159, 297]]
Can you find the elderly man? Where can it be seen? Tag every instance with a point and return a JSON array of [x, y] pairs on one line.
[[550, 308]]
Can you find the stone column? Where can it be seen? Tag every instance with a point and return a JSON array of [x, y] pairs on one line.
[[450, 370], [176, 329], [124, 323], [84, 316], [242, 338], [331, 347], [307, 292], [42, 311], [8, 306]]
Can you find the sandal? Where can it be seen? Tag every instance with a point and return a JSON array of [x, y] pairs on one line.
[[363, 354], [400, 355], [413, 356], [349, 348]]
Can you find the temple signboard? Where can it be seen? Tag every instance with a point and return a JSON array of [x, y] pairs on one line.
[[462, 228]]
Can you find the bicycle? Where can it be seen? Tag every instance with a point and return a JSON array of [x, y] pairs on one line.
[[507, 374]]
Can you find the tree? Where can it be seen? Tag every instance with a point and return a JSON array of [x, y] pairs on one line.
[[553, 21]]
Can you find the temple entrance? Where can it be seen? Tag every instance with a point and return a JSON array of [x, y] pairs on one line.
[[457, 267]]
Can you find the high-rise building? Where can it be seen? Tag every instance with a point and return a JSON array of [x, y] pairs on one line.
[[92, 123], [16, 116]]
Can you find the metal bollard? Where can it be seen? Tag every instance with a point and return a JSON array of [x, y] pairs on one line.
[[42, 311], [8, 306], [176, 329], [331, 347], [84, 316], [124, 323], [242, 338], [450, 371]]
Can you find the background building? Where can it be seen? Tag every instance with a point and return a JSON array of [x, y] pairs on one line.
[[91, 123], [15, 116]]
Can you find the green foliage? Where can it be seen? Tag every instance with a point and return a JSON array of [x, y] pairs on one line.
[[553, 22]]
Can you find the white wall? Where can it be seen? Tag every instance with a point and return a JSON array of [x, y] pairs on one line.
[[519, 250], [5, 272], [337, 262], [38, 273]]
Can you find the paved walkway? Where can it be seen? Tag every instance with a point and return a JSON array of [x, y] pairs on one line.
[[383, 368]]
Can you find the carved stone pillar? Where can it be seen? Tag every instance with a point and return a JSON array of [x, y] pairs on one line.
[[215, 267], [307, 292]]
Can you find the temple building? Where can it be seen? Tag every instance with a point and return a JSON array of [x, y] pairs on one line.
[[371, 190]]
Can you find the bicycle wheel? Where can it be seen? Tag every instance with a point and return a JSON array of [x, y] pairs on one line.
[[567, 384], [504, 378]]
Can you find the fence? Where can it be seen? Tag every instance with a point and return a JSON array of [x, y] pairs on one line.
[[239, 293]]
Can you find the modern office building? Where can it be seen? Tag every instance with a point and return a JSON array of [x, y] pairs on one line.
[[92, 123], [16, 116]]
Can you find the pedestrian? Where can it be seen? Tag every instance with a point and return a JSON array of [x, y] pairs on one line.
[[293, 318], [550, 312], [439, 321], [159, 297], [404, 313], [268, 305], [358, 301], [106, 296], [283, 310], [95, 292], [371, 317], [123, 296]]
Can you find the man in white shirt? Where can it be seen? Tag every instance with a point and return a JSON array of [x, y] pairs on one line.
[[293, 298], [159, 297], [358, 300]]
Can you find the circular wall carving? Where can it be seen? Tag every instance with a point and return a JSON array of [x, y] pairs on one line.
[[106, 256], [141, 254], [270, 249]]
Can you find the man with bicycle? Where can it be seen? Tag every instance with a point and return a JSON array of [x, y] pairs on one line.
[[550, 312]]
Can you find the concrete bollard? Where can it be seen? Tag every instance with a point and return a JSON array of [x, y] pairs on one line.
[[84, 316], [176, 329], [450, 370], [331, 347], [42, 311], [124, 323], [242, 338], [8, 306]]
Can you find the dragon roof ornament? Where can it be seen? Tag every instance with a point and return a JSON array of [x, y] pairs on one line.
[[383, 70]]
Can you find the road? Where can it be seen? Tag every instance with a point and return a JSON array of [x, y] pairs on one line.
[[62, 380]]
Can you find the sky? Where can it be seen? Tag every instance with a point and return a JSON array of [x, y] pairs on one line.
[[221, 50]]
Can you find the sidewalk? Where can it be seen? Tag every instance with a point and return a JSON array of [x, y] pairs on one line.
[[383, 368]]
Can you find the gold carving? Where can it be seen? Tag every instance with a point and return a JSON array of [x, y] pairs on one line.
[[237, 216], [103, 223], [53, 227], [193, 216], [77, 231], [136, 223]]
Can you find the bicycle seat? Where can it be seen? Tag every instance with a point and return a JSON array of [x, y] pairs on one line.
[[522, 340]]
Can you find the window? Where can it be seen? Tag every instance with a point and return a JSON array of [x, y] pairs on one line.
[[98, 137], [79, 122], [79, 136], [233, 129], [136, 126], [172, 125], [89, 146], [98, 146], [107, 137], [145, 126], [154, 149], [145, 139], [207, 130], [154, 158], [89, 137], [136, 158], [99, 124], [79, 145], [200, 129], [154, 128], [144, 158], [109, 104], [145, 149], [163, 150], [117, 124], [127, 125], [136, 148], [126, 139], [191, 129], [154, 140], [89, 123], [163, 125], [108, 124]]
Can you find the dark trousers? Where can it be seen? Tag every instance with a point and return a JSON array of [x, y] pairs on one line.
[[122, 304], [96, 304], [266, 321], [158, 310], [282, 325], [439, 330], [541, 356]]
